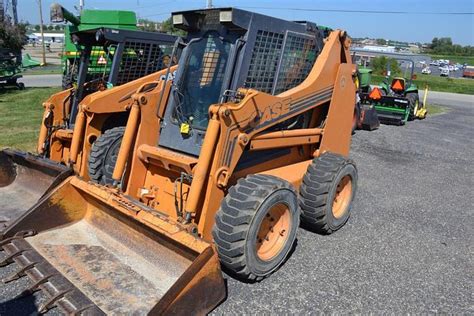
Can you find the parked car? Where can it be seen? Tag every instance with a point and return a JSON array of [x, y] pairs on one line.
[[434, 63], [468, 72], [426, 71], [444, 72]]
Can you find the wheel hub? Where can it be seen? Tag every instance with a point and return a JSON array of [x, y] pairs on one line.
[[342, 197], [273, 232]]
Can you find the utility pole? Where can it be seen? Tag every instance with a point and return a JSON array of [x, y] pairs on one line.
[[15, 12], [209, 4], [2, 12], [42, 32], [81, 5]]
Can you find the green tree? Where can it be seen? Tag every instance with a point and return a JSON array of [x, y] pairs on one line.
[[168, 27], [147, 25], [445, 46], [12, 36], [381, 41], [434, 43], [379, 65], [37, 28]]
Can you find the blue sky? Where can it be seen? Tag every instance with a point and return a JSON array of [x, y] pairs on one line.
[[412, 27]]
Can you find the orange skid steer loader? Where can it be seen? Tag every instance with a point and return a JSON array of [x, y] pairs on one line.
[[216, 169], [133, 57]]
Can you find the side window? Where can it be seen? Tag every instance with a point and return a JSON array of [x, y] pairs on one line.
[[202, 80]]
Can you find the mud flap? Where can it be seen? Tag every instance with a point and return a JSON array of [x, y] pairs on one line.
[[24, 179], [88, 248], [369, 119]]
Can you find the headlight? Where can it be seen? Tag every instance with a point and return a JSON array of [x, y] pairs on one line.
[[178, 19], [225, 16]]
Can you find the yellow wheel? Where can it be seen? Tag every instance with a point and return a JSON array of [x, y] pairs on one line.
[[342, 197], [273, 232]]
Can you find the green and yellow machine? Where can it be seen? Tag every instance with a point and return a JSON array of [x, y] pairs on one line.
[[88, 20], [12, 64], [396, 100], [365, 116]]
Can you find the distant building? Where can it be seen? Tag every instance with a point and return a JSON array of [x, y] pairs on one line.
[[413, 48], [364, 56], [49, 37], [381, 49]]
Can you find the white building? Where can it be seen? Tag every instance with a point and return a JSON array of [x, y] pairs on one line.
[[49, 37], [381, 49]]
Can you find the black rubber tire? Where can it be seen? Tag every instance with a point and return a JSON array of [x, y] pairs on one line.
[[413, 98], [318, 189], [238, 221], [103, 155]]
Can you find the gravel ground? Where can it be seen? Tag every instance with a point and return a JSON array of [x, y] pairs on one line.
[[407, 248]]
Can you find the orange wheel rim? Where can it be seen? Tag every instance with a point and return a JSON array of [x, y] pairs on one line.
[[273, 232], [342, 197]]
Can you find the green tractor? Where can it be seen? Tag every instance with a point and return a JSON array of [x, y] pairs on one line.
[[88, 20], [365, 116], [402, 87], [12, 64], [396, 100]]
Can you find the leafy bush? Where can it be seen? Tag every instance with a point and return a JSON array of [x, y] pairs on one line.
[[12, 36]]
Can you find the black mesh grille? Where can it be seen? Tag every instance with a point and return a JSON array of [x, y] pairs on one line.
[[264, 62], [280, 63], [299, 54], [141, 59]]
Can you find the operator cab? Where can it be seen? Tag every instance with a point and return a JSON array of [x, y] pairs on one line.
[[214, 65], [112, 57]]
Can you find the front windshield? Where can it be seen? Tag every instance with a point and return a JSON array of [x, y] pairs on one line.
[[201, 81]]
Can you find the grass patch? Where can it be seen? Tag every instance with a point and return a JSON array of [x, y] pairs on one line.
[[456, 59], [435, 109], [435, 83], [20, 116]]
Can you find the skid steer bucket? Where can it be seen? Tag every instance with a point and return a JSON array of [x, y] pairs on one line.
[[92, 251], [24, 179]]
